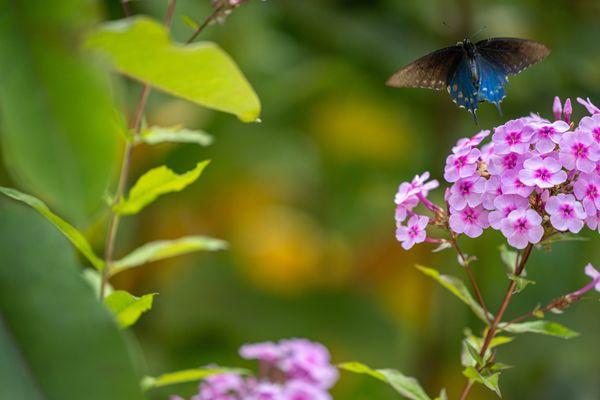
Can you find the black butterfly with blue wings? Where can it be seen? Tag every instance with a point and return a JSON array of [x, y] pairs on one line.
[[472, 72]]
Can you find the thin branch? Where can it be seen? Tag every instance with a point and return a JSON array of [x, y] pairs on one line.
[[221, 10], [491, 333], [466, 264]]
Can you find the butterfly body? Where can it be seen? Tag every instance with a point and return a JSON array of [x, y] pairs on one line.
[[472, 72]]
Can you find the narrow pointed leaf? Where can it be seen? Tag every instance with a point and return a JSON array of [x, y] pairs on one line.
[[128, 308], [187, 375], [154, 183], [74, 236], [162, 249], [489, 381], [406, 386], [201, 72], [521, 283], [156, 135], [542, 327], [457, 288]]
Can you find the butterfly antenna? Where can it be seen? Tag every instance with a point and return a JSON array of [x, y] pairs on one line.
[[483, 28]]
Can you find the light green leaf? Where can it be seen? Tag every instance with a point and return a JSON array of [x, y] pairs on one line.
[[58, 127], [56, 339], [76, 237], [201, 72], [128, 308], [542, 327], [154, 183], [489, 381], [94, 279], [406, 386], [187, 375], [470, 354], [162, 249], [521, 283], [457, 288], [175, 134], [442, 396]]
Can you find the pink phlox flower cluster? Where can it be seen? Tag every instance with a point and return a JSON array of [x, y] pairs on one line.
[[293, 369], [534, 178]]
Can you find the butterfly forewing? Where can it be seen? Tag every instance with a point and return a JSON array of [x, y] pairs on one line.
[[512, 55], [430, 72]]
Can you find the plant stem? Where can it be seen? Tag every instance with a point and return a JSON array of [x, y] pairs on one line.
[[212, 17], [494, 326], [466, 264], [135, 126]]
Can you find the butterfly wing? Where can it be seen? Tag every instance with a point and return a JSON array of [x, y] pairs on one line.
[[430, 72], [491, 82], [512, 55], [461, 88]]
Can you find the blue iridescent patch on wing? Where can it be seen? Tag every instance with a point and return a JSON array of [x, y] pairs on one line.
[[461, 88], [491, 82]]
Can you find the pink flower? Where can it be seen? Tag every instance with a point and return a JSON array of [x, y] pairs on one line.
[[547, 135], [264, 391], [578, 150], [504, 205], [594, 274], [266, 351], [587, 190], [413, 232], [591, 125], [467, 191], [462, 164], [308, 361], [408, 194], [543, 173], [499, 164], [568, 110], [300, 390], [591, 108], [470, 142], [557, 108], [565, 212], [512, 184], [471, 221], [522, 227], [493, 189], [222, 387], [512, 137]]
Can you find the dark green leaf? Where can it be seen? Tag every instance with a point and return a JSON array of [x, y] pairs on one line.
[[56, 340], [59, 125], [76, 237]]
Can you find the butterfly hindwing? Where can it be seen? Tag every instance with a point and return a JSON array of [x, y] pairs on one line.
[[491, 82], [512, 55], [461, 88], [430, 72]]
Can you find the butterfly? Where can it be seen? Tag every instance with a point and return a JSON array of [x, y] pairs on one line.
[[472, 72]]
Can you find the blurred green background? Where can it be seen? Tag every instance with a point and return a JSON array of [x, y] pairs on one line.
[[305, 198]]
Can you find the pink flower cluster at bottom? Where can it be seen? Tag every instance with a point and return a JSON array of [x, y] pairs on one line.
[[294, 369]]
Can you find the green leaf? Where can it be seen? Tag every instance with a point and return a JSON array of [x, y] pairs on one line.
[[156, 135], [521, 283], [162, 249], [406, 386], [94, 279], [76, 237], [154, 183], [56, 340], [489, 381], [201, 72], [542, 327], [128, 308], [470, 354], [562, 237], [187, 375], [58, 126], [457, 288]]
